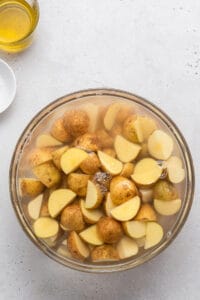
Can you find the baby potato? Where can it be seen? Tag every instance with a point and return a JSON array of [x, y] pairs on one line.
[[59, 132], [104, 253], [39, 156], [110, 230], [122, 189], [129, 129], [164, 190], [105, 140], [78, 183], [48, 174], [87, 141], [127, 170], [91, 164], [76, 122], [110, 151], [72, 217], [102, 179], [30, 187]]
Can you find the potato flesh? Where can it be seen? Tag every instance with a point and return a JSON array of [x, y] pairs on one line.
[[34, 207], [90, 216], [160, 145], [112, 165], [72, 159], [91, 236], [111, 115], [154, 234], [127, 247], [135, 229], [109, 205], [176, 173], [127, 210], [126, 151], [167, 208], [58, 200], [77, 247], [93, 196], [48, 174], [45, 227], [46, 140]]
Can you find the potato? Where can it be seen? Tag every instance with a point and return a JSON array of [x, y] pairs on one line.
[[91, 216], [108, 205], [122, 189], [175, 170], [127, 170], [109, 230], [56, 156], [45, 227], [154, 234], [146, 213], [135, 229], [127, 247], [59, 131], [116, 130], [71, 159], [160, 145], [111, 114], [72, 217], [77, 247], [58, 200], [129, 130], [91, 236], [104, 253], [39, 156], [164, 190], [46, 140], [91, 164], [109, 163], [78, 183], [126, 151], [76, 122], [127, 210], [87, 141], [34, 207], [124, 112], [30, 187], [94, 195], [48, 174], [105, 140], [167, 208], [103, 179]]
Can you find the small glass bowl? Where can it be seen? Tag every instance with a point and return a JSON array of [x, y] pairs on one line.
[[43, 117]]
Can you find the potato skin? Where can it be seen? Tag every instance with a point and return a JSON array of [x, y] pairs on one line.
[[40, 155], [91, 164], [72, 218], [129, 129], [105, 140], [48, 174], [76, 122], [30, 187], [110, 230], [104, 252], [146, 213], [127, 170], [122, 189], [56, 156], [164, 190], [71, 246], [87, 141], [78, 183], [59, 132]]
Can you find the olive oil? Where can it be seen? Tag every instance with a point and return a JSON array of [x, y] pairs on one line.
[[18, 19]]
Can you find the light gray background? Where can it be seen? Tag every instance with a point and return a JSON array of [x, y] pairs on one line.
[[151, 48]]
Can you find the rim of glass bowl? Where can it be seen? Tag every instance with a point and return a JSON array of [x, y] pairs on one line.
[[129, 263]]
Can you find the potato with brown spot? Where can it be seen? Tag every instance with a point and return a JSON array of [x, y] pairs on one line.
[[122, 189], [146, 213], [78, 183], [91, 164], [48, 174], [87, 141], [76, 122], [103, 179], [59, 132], [110, 230], [72, 218], [127, 170], [105, 140], [104, 253]]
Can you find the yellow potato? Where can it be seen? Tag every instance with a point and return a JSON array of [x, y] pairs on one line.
[[48, 174], [77, 247], [91, 236], [126, 151], [72, 218], [104, 253], [160, 145], [127, 247], [127, 210], [59, 132], [129, 130], [111, 114], [39, 156], [71, 159], [110, 230], [109, 163], [154, 234], [76, 122], [94, 195], [30, 187], [122, 189], [108, 205], [91, 216], [56, 156], [91, 164], [146, 213], [46, 140], [45, 227], [34, 207], [78, 183], [58, 200], [164, 190], [87, 141], [127, 170]]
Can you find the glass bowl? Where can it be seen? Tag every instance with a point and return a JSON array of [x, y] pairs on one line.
[[44, 117]]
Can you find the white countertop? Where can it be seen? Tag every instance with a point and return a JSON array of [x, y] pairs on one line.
[[151, 48]]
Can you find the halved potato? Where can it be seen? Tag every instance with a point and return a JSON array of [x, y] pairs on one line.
[[56, 156], [91, 236], [91, 164], [94, 195], [111, 115], [110, 164], [167, 208], [104, 253], [154, 234], [127, 247], [90, 216], [48, 174], [72, 159], [126, 151], [146, 213], [45, 227], [164, 190], [87, 142], [129, 130], [148, 126], [110, 230], [40, 155], [77, 247], [30, 187], [175, 171], [160, 145], [146, 172], [46, 140], [34, 207], [76, 122], [108, 205], [127, 210], [135, 229], [78, 183], [58, 200], [59, 132]]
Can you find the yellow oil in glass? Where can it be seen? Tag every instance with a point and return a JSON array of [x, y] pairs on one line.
[[17, 21]]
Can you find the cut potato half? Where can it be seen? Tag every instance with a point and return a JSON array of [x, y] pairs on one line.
[[91, 236], [46, 140], [127, 247], [160, 145], [93, 195], [110, 164], [146, 172], [108, 205], [154, 234], [167, 208], [146, 213], [127, 210], [58, 200], [175, 171], [34, 207], [148, 126], [90, 216], [126, 151], [72, 159], [77, 247], [45, 227], [111, 115], [135, 229]]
